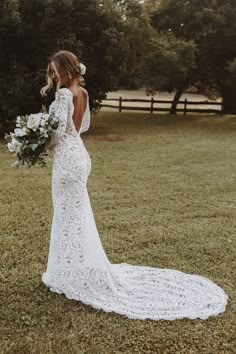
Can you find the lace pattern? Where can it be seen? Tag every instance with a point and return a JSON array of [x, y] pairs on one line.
[[77, 263]]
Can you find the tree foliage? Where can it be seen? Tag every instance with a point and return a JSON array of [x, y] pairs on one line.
[[161, 44], [31, 30], [211, 26], [169, 63], [137, 42]]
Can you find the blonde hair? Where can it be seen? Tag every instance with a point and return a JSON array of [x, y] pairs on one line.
[[61, 62]]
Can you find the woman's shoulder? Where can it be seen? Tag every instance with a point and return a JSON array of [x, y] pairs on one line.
[[74, 95], [77, 92], [64, 92]]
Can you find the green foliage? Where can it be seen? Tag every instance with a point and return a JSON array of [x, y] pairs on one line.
[[210, 25], [137, 42], [31, 30], [169, 63]]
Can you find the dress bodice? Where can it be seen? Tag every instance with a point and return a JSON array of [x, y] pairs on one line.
[[63, 109]]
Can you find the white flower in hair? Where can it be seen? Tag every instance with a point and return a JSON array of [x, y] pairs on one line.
[[81, 68]]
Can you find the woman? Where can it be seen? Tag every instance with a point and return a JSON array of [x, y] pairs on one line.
[[77, 264]]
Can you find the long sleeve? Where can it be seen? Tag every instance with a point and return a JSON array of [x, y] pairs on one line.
[[60, 111]]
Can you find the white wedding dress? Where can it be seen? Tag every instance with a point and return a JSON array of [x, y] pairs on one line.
[[77, 263]]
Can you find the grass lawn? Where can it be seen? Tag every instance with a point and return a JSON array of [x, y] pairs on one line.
[[163, 192]]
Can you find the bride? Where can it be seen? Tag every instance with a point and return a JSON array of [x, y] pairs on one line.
[[77, 263]]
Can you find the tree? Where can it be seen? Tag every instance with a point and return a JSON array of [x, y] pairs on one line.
[[210, 25], [229, 87], [168, 66], [137, 41], [31, 30]]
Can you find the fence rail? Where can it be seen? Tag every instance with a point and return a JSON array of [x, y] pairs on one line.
[[185, 109]]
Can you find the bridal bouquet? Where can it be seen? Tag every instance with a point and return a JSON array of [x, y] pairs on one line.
[[30, 138]]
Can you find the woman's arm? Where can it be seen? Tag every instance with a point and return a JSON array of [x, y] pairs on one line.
[[61, 113]]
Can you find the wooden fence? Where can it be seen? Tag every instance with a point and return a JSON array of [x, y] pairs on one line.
[[155, 105]]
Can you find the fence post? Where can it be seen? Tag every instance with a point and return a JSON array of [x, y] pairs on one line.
[[120, 104], [152, 102], [185, 106]]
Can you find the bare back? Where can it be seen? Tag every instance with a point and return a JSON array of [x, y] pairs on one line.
[[80, 103]]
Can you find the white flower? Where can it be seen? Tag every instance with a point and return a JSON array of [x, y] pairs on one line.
[[15, 142], [82, 68], [11, 147], [43, 132], [34, 121], [18, 119], [14, 146], [42, 123], [44, 120], [19, 132], [45, 116], [26, 130]]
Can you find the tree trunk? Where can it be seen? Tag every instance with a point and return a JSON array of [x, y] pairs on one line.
[[229, 99], [178, 94]]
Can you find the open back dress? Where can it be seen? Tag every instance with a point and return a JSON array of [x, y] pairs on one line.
[[77, 263]]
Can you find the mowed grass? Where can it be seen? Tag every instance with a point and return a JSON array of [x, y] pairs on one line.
[[163, 192]]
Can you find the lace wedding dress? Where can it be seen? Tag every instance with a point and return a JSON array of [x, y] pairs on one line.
[[77, 263]]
